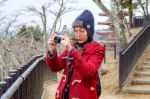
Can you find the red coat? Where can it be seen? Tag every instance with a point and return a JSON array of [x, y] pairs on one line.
[[85, 64]]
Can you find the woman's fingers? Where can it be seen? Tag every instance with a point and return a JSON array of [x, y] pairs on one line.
[[66, 41], [51, 43], [51, 38]]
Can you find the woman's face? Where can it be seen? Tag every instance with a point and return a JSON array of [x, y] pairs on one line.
[[81, 34]]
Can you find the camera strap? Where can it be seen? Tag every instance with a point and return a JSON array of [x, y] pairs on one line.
[[65, 93]]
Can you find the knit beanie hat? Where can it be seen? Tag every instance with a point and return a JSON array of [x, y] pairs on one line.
[[85, 20]]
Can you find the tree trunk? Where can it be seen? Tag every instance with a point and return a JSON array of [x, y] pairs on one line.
[[115, 18], [130, 15], [55, 24], [142, 6], [127, 28], [118, 24], [146, 6], [45, 30]]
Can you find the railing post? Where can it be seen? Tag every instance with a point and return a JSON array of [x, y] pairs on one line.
[[3, 85], [115, 51], [12, 73], [8, 80], [105, 54]]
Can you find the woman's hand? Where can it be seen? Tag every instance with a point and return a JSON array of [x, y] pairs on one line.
[[51, 44], [66, 42]]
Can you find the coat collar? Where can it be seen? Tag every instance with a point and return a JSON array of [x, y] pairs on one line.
[[89, 46]]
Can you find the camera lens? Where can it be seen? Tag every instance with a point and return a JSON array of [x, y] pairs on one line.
[[57, 39]]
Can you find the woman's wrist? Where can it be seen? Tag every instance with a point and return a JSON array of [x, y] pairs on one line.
[[50, 54], [52, 51]]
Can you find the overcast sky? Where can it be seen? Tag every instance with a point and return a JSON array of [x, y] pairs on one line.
[[12, 6]]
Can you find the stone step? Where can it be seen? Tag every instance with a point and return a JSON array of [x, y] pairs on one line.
[[148, 58], [143, 73], [147, 62], [144, 89], [146, 67], [141, 81]]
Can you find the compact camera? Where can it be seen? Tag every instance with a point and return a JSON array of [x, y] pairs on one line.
[[57, 39]]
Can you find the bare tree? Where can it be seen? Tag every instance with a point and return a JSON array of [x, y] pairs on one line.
[[15, 49], [144, 6], [2, 2], [57, 13], [5, 43], [115, 16], [43, 16], [62, 10]]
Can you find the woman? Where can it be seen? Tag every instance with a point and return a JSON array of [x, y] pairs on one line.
[[80, 74]]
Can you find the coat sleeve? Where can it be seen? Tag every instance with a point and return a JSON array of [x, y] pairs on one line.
[[56, 63], [88, 68]]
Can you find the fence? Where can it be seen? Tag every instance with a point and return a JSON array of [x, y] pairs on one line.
[[129, 56], [27, 81], [140, 21]]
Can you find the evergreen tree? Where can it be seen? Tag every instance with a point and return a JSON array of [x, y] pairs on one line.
[[30, 31], [22, 31], [36, 32]]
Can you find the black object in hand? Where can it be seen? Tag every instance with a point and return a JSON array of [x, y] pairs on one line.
[[57, 39]]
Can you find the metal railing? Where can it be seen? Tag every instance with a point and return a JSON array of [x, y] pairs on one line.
[[27, 81], [130, 55], [140, 21]]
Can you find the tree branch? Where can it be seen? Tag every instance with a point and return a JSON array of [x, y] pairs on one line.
[[102, 6], [2, 2]]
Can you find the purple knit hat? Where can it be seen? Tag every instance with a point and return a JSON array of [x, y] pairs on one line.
[[85, 20]]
